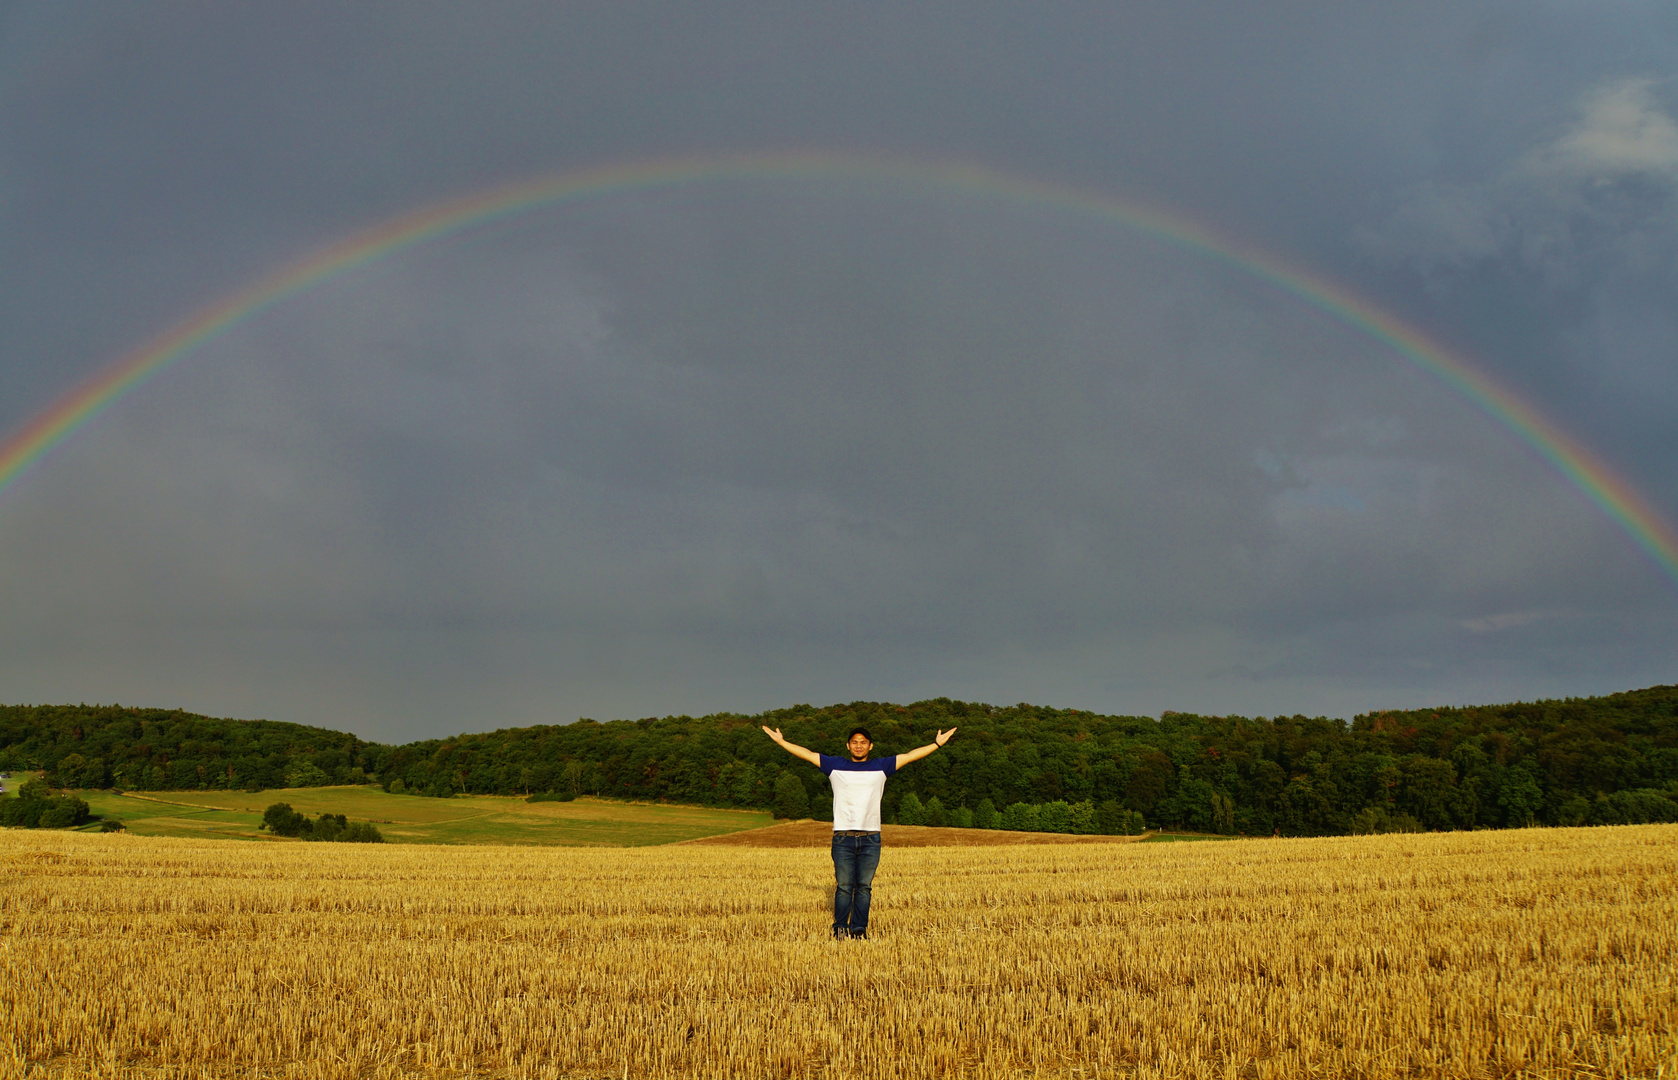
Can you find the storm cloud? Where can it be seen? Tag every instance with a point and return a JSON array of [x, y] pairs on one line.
[[741, 444]]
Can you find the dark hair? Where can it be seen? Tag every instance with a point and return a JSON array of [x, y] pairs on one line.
[[859, 731]]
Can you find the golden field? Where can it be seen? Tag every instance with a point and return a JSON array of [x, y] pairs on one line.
[[1528, 953]]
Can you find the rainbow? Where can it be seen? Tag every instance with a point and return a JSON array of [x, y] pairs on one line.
[[1579, 466]]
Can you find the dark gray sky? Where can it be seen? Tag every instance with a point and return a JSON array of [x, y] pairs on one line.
[[741, 445]]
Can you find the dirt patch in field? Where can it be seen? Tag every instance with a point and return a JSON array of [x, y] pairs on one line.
[[820, 834]]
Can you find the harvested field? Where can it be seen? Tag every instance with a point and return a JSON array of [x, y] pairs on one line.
[[820, 834], [1530, 953]]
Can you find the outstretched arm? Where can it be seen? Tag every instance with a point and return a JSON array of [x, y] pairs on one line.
[[916, 755], [793, 748]]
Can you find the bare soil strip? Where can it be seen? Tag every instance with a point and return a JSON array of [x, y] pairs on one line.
[[798, 834]]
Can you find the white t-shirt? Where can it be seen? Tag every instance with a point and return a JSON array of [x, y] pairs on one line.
[[857, 787]]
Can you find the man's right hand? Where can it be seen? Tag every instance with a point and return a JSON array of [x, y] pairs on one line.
[[792, 748]]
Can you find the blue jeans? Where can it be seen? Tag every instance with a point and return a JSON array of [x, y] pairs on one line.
[[855, 858]]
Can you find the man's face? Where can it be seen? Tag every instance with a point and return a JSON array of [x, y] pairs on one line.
[[859, 747]]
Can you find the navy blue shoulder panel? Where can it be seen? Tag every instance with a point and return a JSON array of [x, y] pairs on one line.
[[887, 765]]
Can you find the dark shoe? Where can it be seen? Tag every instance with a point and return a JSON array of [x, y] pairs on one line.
[[859, 935], [841, 933]]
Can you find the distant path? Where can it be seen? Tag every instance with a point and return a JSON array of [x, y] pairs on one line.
[[170, 802], [820, 834]]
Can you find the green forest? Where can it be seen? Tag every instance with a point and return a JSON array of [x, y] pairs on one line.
[[1603, 760]]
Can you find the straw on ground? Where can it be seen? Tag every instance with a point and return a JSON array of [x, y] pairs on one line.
[[1528, 953]]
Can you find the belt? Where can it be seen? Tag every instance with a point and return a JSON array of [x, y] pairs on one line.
[[854, 832]]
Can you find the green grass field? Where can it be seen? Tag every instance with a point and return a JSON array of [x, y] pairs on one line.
[[412, 819], [17, 780]]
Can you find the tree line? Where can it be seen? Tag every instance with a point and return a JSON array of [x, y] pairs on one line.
[[1602, 760]]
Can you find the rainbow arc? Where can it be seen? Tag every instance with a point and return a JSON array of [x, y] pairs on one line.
[[1584, 470]]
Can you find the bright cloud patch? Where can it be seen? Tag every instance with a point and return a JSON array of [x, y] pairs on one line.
[[1623, 130]]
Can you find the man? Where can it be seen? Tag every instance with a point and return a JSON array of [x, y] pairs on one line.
[[858, 783]]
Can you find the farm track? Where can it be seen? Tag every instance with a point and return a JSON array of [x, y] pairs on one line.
[[1529, 953], [820, 834]]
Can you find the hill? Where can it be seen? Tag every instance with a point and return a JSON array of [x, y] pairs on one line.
[[1603, 760]]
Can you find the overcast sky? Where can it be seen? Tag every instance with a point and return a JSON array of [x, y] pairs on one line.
[[740, 445]]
